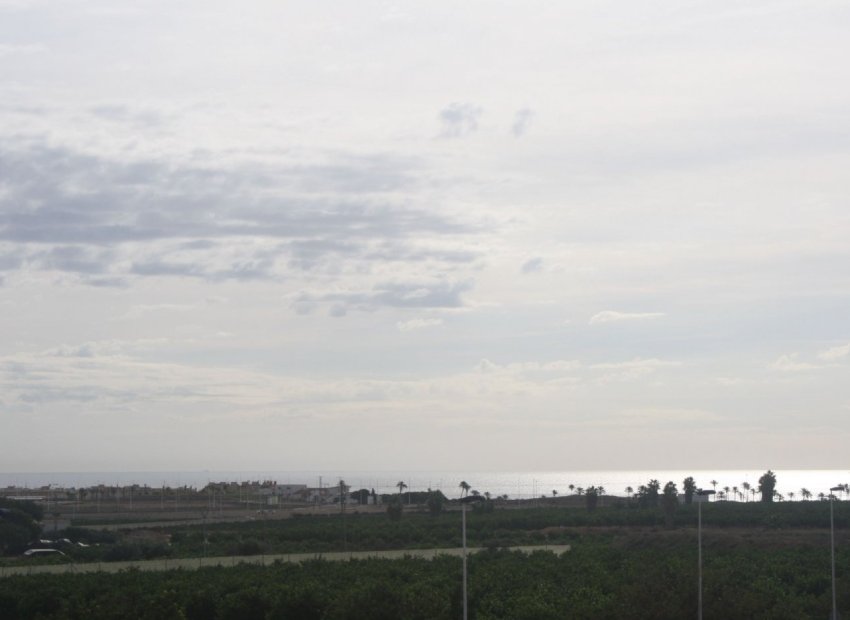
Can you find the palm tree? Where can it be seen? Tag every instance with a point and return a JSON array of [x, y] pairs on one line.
[[714, 485], [726, 492], [821, 496], [805, 494], [579, 491], [735, 492], [791, 496], [721, 495], [401, 487], [464, 488], [572, 488], [746, 487], [554, 493], [487, 495], [630, 492]]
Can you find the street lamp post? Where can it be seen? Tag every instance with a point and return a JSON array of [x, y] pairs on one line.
[[463, 502], [832, 546], [700, 493]]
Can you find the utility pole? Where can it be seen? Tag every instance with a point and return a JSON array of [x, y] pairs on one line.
[[700, 493], [463, 502], [832, 546]]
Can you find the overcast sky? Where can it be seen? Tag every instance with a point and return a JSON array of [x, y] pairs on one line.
[[424, 235]]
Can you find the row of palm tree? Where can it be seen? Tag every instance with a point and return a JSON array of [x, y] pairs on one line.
[[600, 490], [733, 493], [747, 492]]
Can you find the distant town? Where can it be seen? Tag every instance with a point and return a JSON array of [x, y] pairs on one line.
[[216, 498]]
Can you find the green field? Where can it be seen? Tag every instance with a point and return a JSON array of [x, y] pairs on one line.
[[760, 561]]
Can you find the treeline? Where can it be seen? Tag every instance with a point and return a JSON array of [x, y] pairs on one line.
[[597, 580], [19, 524], [500, 528]]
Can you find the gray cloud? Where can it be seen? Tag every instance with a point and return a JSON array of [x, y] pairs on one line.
[[390, 250], [440, 294], [332, 211], [412, 295], [126, 114], [533, 265], [522, 121], [105, 282], [9, 261], [458, 120], [612, 316], [61, 196], [74, 258], [28, 48], [255, 269]]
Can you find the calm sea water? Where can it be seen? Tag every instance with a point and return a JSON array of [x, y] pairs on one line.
[[516, 485]]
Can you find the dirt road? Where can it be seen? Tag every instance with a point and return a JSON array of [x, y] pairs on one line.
[[194, 563]]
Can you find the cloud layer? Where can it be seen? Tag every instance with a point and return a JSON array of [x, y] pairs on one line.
[[581, 236]]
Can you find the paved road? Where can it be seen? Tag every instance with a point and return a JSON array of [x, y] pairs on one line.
[[194, 563]]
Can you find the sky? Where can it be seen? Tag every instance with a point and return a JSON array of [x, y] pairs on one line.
[[503, 235]]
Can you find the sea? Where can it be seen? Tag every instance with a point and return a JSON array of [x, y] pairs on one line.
[[514, 484]]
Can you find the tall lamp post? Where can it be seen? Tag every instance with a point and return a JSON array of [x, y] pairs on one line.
[[832, 546], [463, 502], [700, 493]]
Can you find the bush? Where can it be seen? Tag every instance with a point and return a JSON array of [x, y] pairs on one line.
[[247, 547], [394, 510]]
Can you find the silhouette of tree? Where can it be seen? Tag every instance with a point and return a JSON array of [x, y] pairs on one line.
[[714, 485], [591, 498], [669, 502], [805, 494], [652, 491], [767, 485], [401, 487], [435, 502], [746, 487], [689, 487], [464, 488]]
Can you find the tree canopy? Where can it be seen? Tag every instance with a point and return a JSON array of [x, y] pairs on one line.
[[767, 486]]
